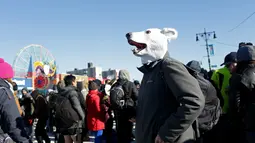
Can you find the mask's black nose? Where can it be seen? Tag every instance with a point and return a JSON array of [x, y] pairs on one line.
[[128, 35]]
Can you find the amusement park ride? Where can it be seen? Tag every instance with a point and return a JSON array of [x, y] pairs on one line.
[[35, 68]]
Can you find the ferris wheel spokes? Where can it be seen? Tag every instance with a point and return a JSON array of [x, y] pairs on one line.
[[45, 56], [36, 53], [24, 60]]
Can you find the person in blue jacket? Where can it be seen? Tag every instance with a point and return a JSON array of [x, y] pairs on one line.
[[11, 122]]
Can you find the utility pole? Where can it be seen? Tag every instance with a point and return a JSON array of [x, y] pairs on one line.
[[206, 36]]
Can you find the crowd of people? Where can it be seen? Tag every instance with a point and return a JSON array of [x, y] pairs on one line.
[[72, 112]]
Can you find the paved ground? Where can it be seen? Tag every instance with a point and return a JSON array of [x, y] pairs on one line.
[[53, 138]]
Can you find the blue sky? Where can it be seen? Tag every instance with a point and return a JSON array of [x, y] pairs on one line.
[[80, 31]]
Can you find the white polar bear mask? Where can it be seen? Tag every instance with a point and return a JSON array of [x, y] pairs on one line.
[[152, 44]]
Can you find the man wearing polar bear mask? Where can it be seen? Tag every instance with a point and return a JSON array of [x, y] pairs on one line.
[[151, 44], [170, 98]]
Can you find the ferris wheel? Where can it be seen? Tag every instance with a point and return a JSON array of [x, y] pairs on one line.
[[33, 54]]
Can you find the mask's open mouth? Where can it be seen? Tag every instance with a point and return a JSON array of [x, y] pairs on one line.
[[139, 46]]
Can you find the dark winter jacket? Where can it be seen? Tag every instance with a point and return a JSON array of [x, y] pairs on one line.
[[241, 97], [41, 108], [28, 104], [71, 93], [10, 119], [82, 101], [81, 97], [169, 101]]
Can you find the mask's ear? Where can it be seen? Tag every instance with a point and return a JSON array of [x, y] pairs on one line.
[[170, 33]]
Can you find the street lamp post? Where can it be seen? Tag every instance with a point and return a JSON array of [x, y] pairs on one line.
[[206, 36]]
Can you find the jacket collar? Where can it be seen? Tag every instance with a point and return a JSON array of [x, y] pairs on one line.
[[93, 91], [150, 66], [4, 83], [71, 87], [121, 81], [242, 67]]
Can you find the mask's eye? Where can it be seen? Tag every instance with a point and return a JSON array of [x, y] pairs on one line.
[[148, 32]]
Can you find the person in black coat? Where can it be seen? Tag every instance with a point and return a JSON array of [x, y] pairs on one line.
[[124, 125], [241, 96], [42, 114], [71, 93]]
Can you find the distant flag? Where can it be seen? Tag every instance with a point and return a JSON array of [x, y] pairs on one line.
[[211, 49]]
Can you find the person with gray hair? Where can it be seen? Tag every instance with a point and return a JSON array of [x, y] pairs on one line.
[[124, 75], [123, 116], [241, 95]]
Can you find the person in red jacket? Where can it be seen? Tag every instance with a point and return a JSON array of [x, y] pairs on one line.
[[95, 115]]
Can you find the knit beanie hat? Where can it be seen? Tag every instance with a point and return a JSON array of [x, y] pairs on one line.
[[98, 82], [93, 85], [194, 65], [25, 89], [6, 70]]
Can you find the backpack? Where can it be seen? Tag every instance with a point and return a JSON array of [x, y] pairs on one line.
[[53, 100], [65, 115], [212, 110], [118, 98]]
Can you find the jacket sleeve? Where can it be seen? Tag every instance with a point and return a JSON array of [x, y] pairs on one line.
[[134, 94], [187, 92], [215, 79], [82, 100], [96, 103], [76, 104], [247, 84], [234, 96], [218, 93], [11, 119]]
